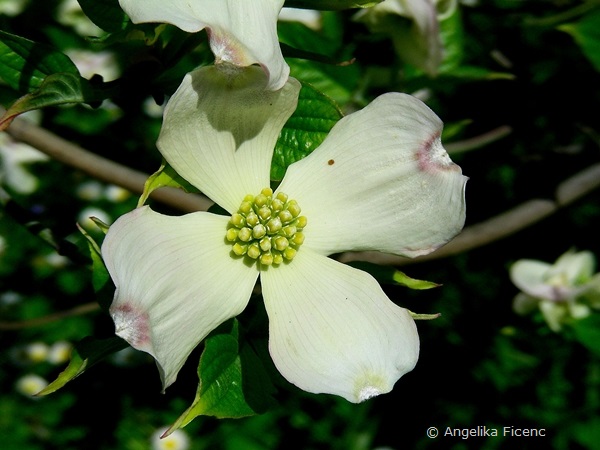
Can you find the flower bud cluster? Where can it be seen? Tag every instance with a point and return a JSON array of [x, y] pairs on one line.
[[267, 228]]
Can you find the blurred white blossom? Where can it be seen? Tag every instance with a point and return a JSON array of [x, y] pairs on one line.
[[91, 63], [564, 291], [414, 28], [85, 218], [116, 194], [36, 352], [12, 7], [177, 440], [30, 384], [309, 17], [90, 190], [70, 14], [14, 159], [59, 352]]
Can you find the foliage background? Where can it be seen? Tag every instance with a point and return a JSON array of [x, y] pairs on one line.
[[527, 66]]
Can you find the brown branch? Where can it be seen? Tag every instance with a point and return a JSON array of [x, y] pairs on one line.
[[38, 321], [99, 167]]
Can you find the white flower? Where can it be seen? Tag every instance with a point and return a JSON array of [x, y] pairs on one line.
[[90, 190], [380, 181], [36, 352], [30, 384], [90, 63], [60, 352], [14, 159], [420, 44], [86, 214], [240, 32], [70, 14], [309, 17], [562, 291], [12, 7], [177, 440]]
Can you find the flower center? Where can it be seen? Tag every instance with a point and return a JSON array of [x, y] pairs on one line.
[[267, 228]]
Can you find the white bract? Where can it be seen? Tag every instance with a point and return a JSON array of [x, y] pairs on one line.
[[381, 180], [240, 32], [562, 291], [420, 42]]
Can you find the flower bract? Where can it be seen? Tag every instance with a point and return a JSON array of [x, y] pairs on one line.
[[240, 32], [381, 180], [562, 291], [414, 27]]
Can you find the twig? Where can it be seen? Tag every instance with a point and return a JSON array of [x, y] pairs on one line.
[[99, 167], [478, 141], [77, 311]]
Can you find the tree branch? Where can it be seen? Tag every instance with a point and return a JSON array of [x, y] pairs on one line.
[[99, 167], [80, 310]]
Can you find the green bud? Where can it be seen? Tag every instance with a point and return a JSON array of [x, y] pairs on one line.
[[259, 231], [280, 243], [266, 228]]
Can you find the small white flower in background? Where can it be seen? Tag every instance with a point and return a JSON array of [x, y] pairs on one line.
[[14, 159], [55, 260], [177, 440], [91, 63], [85, 218], [12, 7], [563, 291], [381, 180], [309, 17], [420, 43], [90, 190], [116, 194], [94, 190], [59, 352], [152, 109], [30, 384], [240, 32], [70, 14], [36, 352], [10, 298]]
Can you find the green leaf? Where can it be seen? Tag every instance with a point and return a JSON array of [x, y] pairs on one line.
[[107, 14], [164, 176], [587, 332], [99, 272], [331, 5], [304, 131], [86, 353], [56, 89], [25, 64], [232, 384], [453, 40], [390, 275], [586, 33]]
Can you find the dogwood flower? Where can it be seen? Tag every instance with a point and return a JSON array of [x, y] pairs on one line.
[[417, 41], [240, 32], [380, 181], [562, 291]]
